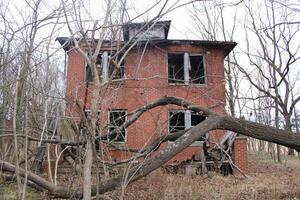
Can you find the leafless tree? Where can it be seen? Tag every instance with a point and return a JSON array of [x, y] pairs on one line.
[[25, 57], [275, 58], [209, 23], [270, 34]]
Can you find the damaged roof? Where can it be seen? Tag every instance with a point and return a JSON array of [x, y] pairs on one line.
[[143, 26], [226, 46]]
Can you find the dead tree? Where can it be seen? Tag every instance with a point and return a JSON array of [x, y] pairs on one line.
[[270, 48], [275, 58]]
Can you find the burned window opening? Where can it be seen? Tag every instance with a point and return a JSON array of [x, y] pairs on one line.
[[184, 68], [117, 118]]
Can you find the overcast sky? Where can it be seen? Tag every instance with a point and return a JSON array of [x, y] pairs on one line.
[[182, 26]]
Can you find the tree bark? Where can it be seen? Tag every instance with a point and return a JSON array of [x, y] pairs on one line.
[[15, 127], [288, 127]]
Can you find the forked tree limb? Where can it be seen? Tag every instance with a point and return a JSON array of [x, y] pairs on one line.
[[213, 122]]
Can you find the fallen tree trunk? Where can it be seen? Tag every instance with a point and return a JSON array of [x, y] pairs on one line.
[[261, 132], [43, 183], [214, 121]]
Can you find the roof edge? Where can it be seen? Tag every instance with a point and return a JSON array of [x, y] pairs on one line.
[[228, 46]]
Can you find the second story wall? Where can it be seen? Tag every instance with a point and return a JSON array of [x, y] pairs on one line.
[[146, 78]]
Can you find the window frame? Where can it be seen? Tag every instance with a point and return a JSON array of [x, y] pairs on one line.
[[204, 68], [186, 62], [121, 68], [109, 126], [187, 124], [85, 69], [176, 83], [106, 67], [169, 118]]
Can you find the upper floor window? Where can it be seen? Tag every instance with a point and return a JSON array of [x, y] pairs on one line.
[[88, 71], [181, 120], [186, 68], [117, 118], [105, 67]]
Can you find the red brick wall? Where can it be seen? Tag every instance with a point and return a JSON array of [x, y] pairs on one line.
[[240, 156], [146, 81]]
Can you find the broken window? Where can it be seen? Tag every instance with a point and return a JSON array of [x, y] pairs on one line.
[[116, 72], [176, 121], [176, 68], [88, 71], [106, 68], [181, 120], [117, 118], [196, 119], [186, 68], [196, 69]]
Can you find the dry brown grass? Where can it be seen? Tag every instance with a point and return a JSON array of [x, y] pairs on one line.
[[267, 180]]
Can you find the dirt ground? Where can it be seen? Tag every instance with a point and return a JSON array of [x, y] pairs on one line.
[[267, 180]]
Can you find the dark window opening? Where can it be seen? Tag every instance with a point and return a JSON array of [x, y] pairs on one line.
[[106, 68], [176, 68], [186, 68], [196, 71], [196, 119], [88, 71], [116, 72], [176, 121], [116, 119], [181, 120]]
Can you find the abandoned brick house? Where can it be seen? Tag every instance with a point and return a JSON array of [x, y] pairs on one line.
[[155, 67]]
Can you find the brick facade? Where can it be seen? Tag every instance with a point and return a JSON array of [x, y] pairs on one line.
[[146, 74], [240, 156]]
